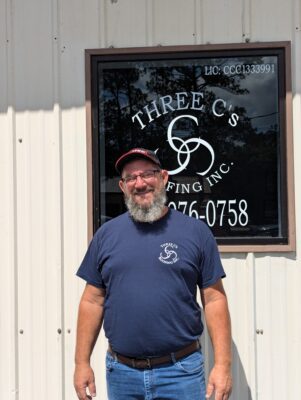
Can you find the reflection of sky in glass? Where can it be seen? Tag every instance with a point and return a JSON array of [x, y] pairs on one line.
[[260, 102]]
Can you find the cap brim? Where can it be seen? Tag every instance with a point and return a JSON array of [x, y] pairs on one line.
[[132, 155]]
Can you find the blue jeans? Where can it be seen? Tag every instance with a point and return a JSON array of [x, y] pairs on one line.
[[181, 380]]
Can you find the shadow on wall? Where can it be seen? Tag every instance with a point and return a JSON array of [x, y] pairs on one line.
[[241, 389]]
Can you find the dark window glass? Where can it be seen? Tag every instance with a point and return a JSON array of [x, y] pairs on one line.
[[217, 125]]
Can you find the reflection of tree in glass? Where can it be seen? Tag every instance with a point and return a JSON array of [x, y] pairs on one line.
[[125, 91], [254, 154], [119, 98], [128, 90], [173, 79]]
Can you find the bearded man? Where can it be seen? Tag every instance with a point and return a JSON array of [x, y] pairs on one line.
[[142, 271]]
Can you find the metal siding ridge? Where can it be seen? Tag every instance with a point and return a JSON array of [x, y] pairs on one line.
[[198, 22], [271, 26], [9, 296], [240, 290], [79, 29], [222, 21], [293, 300], [246, 20], [102, 24], [149, 23], [174, 22], [126, 23]]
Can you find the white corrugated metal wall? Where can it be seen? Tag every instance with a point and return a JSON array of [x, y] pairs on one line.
[[43, 219]]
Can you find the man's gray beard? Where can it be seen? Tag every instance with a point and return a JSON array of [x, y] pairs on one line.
[[147, 214]]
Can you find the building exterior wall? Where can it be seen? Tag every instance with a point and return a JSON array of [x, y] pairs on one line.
[[43, 212]]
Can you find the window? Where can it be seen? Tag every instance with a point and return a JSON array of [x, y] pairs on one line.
[[219, 118]]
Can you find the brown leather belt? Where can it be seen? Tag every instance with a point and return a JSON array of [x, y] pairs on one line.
[[148, 363]]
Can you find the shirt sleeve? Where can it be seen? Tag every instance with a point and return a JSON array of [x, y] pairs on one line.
[[89, 269], [211, 269]]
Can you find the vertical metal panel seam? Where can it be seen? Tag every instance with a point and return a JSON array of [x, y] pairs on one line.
[[297, 101], [10, 92], [12, 118], [149, 22], [198, 22], [57, 112], [102, 18], [255, 369], [296, 17], [286, 307], [293, 381], [296, 84], [246, 20], [252, 266]]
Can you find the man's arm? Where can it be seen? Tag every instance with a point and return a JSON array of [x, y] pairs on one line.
[[219, 327], [90, 317]]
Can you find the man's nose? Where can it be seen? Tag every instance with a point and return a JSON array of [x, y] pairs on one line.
[[140, 182]]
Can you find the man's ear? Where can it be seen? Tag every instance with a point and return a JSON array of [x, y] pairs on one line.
[[164, 174], [122, 186]]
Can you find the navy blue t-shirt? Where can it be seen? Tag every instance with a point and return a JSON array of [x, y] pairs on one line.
[[151, 272]]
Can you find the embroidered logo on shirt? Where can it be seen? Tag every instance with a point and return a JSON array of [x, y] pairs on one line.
[[169, 255]]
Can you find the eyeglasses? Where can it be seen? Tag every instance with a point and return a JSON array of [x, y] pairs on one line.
[[146, 176]]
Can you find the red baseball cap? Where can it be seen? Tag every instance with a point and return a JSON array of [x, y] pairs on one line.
[[136, 153]]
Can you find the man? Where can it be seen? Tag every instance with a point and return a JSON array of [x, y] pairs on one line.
[[142, 271]]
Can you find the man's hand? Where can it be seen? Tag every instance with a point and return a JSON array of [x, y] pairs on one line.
[[220, 383], [90, 316], [83, 379]]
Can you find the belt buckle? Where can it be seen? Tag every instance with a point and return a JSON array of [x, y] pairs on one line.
[[141, 364]]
